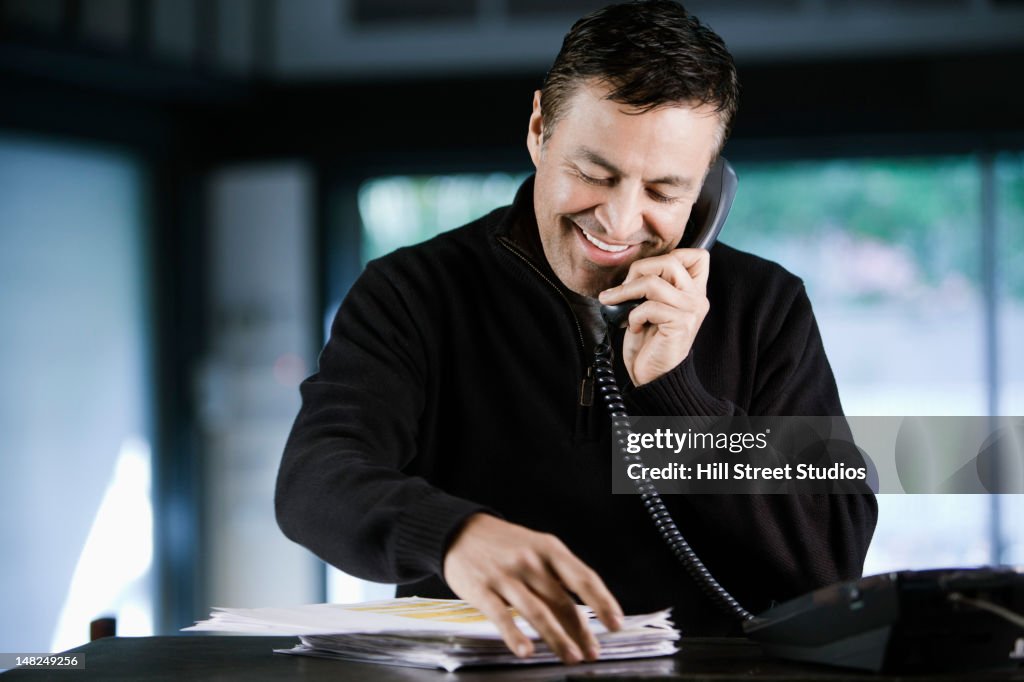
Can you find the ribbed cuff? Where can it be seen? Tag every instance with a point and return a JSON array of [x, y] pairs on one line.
[[426, 528], [678, 393]]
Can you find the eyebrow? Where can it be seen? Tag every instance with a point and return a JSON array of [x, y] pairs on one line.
[[593, 157]]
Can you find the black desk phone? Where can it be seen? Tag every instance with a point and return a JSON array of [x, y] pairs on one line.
[[907, 621]]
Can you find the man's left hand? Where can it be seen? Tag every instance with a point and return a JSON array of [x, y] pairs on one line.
[[662, 329]]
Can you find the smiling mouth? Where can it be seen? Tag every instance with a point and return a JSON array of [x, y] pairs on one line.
[[610, 248]]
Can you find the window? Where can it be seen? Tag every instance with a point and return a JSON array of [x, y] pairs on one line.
[[891, 251], [1009, 224], [75, 400], [397, 211]]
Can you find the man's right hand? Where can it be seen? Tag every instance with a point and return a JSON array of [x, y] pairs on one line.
[[493, 564]]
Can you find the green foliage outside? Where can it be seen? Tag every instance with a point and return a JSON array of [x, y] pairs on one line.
[[927, 208], [402, 210]]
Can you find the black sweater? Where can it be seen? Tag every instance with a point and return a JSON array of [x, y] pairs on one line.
[[451, 384]]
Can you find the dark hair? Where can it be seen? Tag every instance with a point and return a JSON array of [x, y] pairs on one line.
[[651, 53]]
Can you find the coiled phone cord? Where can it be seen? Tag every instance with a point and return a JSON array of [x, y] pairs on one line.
[[604, 373]]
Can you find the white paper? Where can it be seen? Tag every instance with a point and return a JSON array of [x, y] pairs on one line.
[[431, 633]]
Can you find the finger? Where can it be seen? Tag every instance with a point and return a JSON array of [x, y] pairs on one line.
[[685, 317], [496, 610], [686, 269], [679, 311], [671, 267], [697, 263], [681, 267], [539, 615], [667, 266], [587, 584], [651, 287], [572, 620]]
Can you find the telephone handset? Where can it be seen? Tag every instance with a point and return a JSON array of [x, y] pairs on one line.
[[706, 221]]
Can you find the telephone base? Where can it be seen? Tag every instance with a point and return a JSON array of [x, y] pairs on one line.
[[907, 621]]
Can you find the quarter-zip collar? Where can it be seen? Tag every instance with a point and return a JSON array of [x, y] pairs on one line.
[[517, 234]]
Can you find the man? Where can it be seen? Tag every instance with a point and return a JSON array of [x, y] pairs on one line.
[[450, 441]]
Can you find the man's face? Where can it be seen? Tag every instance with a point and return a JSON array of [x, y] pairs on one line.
[[613, 185]]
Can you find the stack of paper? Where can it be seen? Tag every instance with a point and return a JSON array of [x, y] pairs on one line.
[[428, 633]]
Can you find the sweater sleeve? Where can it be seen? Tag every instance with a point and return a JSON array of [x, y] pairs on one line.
[[342, 491], [798, 541]]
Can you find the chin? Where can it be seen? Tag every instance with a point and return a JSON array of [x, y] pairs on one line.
[[591, 286]]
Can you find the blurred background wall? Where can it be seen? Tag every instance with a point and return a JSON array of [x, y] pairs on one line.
[[188, 188]]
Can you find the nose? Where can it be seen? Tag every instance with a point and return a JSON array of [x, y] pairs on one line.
[[621, 214]]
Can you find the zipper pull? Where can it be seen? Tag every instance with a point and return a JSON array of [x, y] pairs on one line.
[[587, 388]]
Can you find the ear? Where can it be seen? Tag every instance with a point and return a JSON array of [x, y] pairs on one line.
[[535, 134]]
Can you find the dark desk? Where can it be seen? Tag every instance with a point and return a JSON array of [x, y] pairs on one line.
[[198, 658]]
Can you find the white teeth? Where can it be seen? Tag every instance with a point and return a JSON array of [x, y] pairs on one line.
[[601, 245]]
